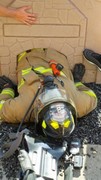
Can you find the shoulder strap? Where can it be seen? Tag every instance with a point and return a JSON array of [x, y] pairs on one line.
[[13, 145]]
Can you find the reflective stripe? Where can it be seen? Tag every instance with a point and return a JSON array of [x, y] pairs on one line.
[[43, 70], [1, 104], [26, 71], [78, 84], [67, 123], [8, 91], [72, 118], [21, 83], [54, 124], [20, 56], [39, 69], [90, 93], [44, 124]]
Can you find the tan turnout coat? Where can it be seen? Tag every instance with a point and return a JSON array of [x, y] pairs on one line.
[[14, 109]]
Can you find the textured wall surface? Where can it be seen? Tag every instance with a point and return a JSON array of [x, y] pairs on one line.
[[66, 25]]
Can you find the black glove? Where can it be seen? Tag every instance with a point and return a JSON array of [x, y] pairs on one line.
[[5, 82], [78, 72]]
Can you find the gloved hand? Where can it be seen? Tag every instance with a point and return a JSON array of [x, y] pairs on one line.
[[5, 82], [78, 72]]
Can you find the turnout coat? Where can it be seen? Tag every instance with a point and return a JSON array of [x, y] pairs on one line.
[[13, 109]]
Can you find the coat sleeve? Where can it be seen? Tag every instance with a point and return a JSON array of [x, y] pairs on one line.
[[13, 109], [85, 100]]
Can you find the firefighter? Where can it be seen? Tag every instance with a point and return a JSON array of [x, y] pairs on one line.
[[61, 99]]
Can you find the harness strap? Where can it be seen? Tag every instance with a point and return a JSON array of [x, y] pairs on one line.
[[13, 145]]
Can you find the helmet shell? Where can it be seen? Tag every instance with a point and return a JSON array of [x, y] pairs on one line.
[[44, 100], [58, 121]]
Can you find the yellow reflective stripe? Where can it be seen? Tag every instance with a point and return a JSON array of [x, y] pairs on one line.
[[1, 104], [44, 124], [43, 70], [20, 56], [90, 93], [26, 71], [21, 83], [54, 124], [62, 74], [66, 123], [8, 91], [40, 69], [78, 84]]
